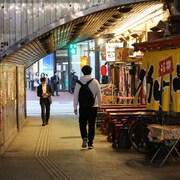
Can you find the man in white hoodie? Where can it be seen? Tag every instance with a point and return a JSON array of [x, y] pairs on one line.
[[88, 114]]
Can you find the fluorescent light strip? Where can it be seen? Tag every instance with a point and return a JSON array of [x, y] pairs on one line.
[[141, 21], [140, 18]]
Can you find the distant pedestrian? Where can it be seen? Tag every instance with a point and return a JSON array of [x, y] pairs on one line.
[[44, 91], [73, 79], [55, 83], [36, 80], [89, 99], [42, 75], [47, 79]]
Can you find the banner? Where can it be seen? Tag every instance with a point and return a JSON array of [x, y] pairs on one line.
[[162, 70]]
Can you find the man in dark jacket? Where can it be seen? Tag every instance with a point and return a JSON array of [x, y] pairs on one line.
[[55, 83], [44, 91], [74, 78]]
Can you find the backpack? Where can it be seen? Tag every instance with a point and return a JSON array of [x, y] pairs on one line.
[[86, 98]]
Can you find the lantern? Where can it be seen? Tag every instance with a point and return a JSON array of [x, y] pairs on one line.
[[84, 61], [103, 70]]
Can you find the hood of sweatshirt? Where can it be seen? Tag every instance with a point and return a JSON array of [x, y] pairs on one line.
[[85, 79]]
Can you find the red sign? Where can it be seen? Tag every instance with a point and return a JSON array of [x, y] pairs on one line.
[[165, 66]]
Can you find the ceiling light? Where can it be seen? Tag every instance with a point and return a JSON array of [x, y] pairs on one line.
[[100, 41]]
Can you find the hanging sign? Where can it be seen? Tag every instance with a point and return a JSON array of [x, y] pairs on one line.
[[61, 53], [122, 54], [110, 50]]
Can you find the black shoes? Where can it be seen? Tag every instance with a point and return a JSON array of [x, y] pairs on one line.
[[91, 147], [45, 123], [84, 143]]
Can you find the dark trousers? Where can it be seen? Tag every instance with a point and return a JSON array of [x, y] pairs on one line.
[[45, 110], [87, 116], [55, 89]]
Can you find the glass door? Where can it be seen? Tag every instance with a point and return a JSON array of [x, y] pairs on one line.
[[62, 70]]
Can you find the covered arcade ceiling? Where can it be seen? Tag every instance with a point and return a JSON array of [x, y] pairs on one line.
[[84, 25]]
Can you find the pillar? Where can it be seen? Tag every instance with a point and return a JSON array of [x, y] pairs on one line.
[[97, 62]]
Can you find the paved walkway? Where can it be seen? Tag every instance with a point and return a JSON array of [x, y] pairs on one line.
[[54, 151]]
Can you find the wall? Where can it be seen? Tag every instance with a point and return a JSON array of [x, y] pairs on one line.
[[12, 102]]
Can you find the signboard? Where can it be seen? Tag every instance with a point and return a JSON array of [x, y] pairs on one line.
[[61, 53], [166, 66], [110, 50], [122, 54]]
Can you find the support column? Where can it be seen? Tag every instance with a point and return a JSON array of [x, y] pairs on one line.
[[69, 69], [55, 61], [97, 63]]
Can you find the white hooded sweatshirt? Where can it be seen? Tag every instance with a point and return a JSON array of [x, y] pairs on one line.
[[93, 86]]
